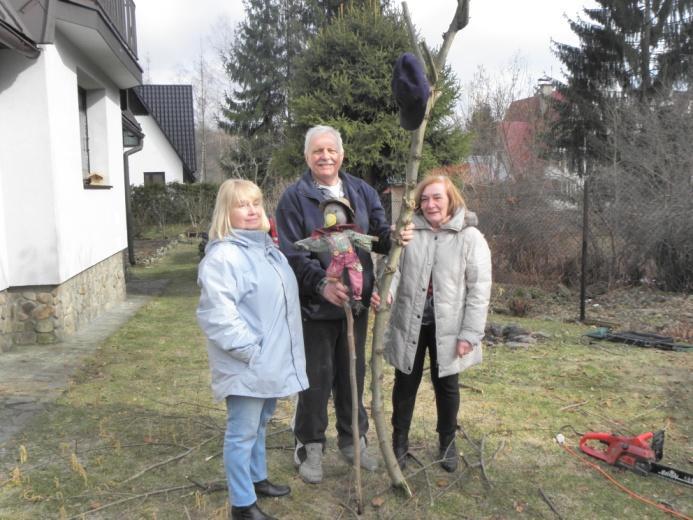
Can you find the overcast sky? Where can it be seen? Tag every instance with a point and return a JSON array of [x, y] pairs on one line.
[[171, 32]]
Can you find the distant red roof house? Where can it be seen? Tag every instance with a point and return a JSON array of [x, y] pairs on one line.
[[522, 148], [477, 169], [521, 129]]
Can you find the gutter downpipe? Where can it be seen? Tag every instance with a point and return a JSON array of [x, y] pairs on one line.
[[128, 211]]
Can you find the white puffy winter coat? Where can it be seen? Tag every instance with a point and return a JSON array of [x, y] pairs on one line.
[[459, 260]]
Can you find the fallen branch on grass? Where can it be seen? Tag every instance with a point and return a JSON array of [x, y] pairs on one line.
[[347, 508], [209, 487], [168, 461], [646, 412], [398, 512], [138, 445], [619, 426], [472, 388], [481, 458], [460, 474], [571, 406], [548, 502], [481, 462], [129, 499], [277, 432], [469, 439], [429, 488]]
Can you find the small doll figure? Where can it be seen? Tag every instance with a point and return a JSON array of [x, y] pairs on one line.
[[339, 237]]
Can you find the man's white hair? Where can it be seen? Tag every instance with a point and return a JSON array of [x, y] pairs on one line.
[[319, 130]]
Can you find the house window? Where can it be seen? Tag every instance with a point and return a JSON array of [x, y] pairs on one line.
[[154, 178], [83, 130], [95, 126]]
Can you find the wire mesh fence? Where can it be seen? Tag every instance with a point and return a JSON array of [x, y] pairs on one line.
[[639, 228], [533, 227]]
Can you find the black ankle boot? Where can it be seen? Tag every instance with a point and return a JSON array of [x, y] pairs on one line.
[[400, 445], [266, 488], [448, 452], [251, 512]]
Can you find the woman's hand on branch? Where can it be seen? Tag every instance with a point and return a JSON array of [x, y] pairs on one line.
[[464, 347], [375, 300], [405, 235]]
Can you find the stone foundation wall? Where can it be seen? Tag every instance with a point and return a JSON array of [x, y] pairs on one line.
[[47, 314]]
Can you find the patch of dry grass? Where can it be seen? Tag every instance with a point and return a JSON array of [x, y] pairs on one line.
[[139, 420]]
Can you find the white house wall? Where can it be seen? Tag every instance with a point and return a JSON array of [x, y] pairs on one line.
[[56, 228], [4, 272], [27, 204], [157, 155]]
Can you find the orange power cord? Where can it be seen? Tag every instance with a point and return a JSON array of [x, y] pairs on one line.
[[676, 514]]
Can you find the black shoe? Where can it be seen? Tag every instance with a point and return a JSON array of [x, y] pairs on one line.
[[448, 453], [266, 489], [251, 512], [400, 445]]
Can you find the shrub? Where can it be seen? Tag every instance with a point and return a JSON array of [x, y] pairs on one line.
[[175, 203]]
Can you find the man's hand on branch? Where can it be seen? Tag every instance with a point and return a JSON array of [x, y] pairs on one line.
[[335, 292]]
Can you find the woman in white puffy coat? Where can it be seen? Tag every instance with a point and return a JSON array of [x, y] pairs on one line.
[[441, 296], [250, 313]]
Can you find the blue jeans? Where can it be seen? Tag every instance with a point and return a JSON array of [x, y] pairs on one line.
[[244, 445]]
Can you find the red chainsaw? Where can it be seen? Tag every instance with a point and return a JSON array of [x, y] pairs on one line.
[[640, 454]]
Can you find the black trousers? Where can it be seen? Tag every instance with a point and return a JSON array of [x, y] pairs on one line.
[[327, 366], [446, 389]]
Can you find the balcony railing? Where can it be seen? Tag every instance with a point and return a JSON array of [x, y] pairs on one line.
[[121, 13]]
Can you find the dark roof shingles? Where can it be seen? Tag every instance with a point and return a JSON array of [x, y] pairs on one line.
[[13, 33], [172, 108]]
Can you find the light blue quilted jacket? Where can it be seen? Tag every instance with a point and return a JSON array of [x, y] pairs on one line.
[[251, 315]]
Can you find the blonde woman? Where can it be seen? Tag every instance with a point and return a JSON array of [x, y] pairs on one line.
[[250, 313], [441, 296]]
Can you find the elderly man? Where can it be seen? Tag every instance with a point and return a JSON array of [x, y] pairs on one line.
[[324, 322]]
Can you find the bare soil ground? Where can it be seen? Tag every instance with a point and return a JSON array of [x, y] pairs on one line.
[[641, 309]]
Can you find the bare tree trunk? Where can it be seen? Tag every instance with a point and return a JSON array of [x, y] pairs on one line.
[[354, 407], [645, 73], [433, 66], [203, 120]]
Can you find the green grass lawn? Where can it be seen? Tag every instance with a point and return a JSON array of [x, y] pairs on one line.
[[139, 420]]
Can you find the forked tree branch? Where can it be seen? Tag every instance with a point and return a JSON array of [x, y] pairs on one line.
[[434, 66]]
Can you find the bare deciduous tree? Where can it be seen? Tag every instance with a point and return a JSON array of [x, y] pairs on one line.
[[643, 192], [485, 107]]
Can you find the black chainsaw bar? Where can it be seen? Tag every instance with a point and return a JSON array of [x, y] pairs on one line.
[[671, 473]]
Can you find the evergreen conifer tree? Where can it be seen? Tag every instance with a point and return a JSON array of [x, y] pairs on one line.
[[627, 48], [259, 64], [343, 79]]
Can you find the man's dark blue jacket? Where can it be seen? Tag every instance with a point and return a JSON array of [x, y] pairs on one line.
[[298, 215]]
